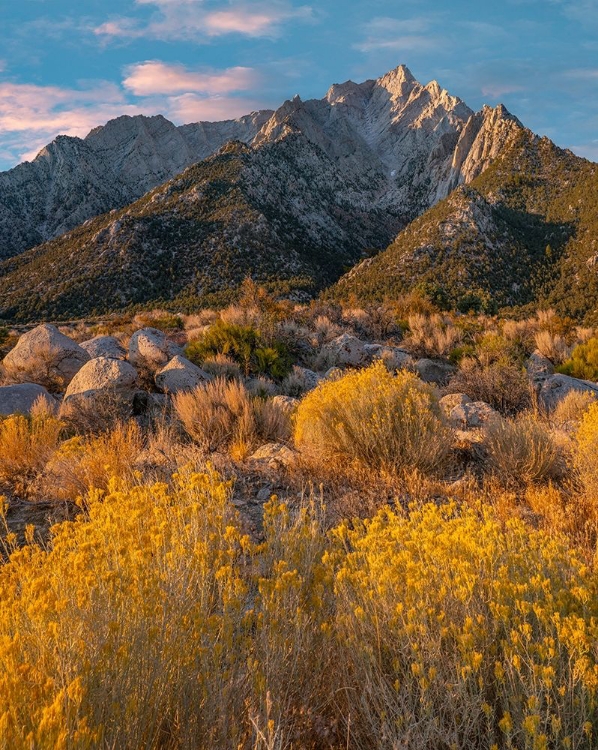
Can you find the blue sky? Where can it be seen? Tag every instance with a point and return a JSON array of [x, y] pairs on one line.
[[69, 65]]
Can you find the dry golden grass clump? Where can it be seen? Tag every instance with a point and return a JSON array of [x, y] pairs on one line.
[[553, 346], [504, 386], [27, 444], [224, 416], [432, 336], [586, 452], [522, 451], [374, 420], [572, 407]]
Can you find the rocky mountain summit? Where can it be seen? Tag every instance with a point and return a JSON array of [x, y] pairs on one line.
[[299, 196], [409, 144], [73, 179]]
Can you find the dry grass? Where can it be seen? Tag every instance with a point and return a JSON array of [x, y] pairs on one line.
[[85, 463], [42, 370], [552, 346], [522, 451], [572, 408], [224, 416], [432, 336], [27, 444]]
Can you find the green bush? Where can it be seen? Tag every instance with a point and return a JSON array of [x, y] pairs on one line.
[[583, 362], [245, 345]]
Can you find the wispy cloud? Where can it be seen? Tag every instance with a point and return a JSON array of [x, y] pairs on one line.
[[496, 90], [385, 33], [197, 19], [156, 77]]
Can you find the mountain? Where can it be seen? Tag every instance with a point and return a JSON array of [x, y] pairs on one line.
[[73, 179], [321, 184], [523, 232]]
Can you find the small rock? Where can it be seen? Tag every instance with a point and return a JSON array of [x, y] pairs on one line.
[[151, 349], [393, 357], [539, 367], [346, 350], [275, 455], [448, 403], [18, 399], [180, 375], [472, 415], [434, 371], [264, 495]]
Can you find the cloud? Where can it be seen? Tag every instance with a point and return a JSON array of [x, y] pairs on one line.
[[496, 90], [31, 116], [197, 20], [385, 33], [2, 65], [156, 77]]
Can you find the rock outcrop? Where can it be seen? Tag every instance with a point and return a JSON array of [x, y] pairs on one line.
[[180, 375], [19, 398], [151, 349], [104, 375], [104, 346]]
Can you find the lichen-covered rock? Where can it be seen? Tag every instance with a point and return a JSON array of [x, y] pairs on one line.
[[151, 349], [393, 357], [180, 375], [46, 355], [275, 455], [472, 415], [104, 346], [104, 374], [539, 367], [554, 389], [18, 399], [346, 350]]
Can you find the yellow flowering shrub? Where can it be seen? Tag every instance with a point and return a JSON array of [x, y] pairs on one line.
[[374, 419], [152, 621], [459, 631], [586, 454]]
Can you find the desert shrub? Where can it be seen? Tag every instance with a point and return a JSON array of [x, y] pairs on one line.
[[151, 621], [494, 348], [586, 452], [459, 630], [522, 450], [4, 334], [96, 415], [432, 336], [583, 362], [572, 407], [245, 345], [552, 346], [27, 444], [160, 319], [505, 387], [374, 420], [223, 415], [85, 463]]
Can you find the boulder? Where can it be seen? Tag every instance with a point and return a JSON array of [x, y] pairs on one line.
[[434, 371], [104, 346], [539, 367], [472, 415], [46, 354], [104, 375], [393, 357], [303, 379], [555, 387], [346, 351], [448, 403], [18, 399], [180, 375], [275, 455], [151, 349]]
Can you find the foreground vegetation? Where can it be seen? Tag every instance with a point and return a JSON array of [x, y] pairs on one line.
[[402, 582]]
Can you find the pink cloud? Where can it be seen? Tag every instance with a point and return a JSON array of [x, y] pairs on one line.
[[155, 77], [190, 19], [193, 108]]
